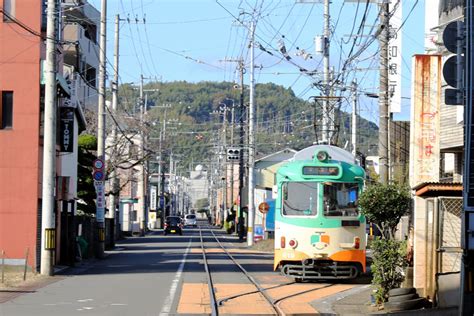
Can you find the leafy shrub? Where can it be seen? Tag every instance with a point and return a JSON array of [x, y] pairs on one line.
[[384, 205], [389, 262]]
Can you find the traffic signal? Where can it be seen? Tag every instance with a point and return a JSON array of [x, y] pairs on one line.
[[453, 68], [233, 154]]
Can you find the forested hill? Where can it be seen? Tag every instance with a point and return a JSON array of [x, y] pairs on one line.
[[194, 117]]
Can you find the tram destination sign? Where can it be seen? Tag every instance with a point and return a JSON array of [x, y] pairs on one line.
[[321, 171]]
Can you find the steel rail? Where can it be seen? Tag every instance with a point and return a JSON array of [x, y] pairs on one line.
[[300, 293], [222, 301], [212, 293], [251, 279], [273, 302]]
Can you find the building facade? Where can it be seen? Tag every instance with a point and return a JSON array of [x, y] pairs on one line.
[[23, 27]]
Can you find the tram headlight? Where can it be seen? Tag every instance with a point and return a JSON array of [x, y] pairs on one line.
[[282, 242], [322, 156]]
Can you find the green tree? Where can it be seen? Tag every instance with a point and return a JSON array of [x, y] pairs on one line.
[[384, 205], [87, 146]]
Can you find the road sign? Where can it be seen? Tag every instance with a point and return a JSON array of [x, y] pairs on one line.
[[98, 175], [263, 207], [98, 164]]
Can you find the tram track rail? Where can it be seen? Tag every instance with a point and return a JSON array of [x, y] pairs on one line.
[[274, 303]]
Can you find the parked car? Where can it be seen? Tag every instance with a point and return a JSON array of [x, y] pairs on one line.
[[190, 220], [173, 225]]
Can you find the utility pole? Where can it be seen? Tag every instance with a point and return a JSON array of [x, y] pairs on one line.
[[224, 163], [326, 137], [232, 117], [354, 117], [141, 156], [383, 95], [252, 106], [170, 184], [160, 189], [101, 124], [241, 152], [114, 195], [49, 150], [161, 170]]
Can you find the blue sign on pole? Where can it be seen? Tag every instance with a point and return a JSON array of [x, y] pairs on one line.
[[162, 202], [98, 175], [270, 216]]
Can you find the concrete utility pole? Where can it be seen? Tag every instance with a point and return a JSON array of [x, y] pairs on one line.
[[232, 118], [49, 150], [141, 156], [224, 163], [252, 149], [171, 184], [101, 123], [327, 134], [354, 117], [113, 173], [161, 169], [383, 94], [241, 158]]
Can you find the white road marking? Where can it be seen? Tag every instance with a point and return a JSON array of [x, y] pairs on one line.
[[165, 310], [86, 300]]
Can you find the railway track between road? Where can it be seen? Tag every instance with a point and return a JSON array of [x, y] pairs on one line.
[[273, 303]]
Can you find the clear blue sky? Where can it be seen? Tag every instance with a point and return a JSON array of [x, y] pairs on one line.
[[188, 40]]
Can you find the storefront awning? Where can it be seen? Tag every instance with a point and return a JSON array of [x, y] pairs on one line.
[[430, 189]]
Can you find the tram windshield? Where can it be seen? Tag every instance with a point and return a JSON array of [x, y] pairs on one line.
[[340, 199], [300, 198]]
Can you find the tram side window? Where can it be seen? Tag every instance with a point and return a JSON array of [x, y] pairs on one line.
[[340, 199], [300, 198]]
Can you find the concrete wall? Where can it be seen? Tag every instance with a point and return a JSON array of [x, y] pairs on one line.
[[20, 146]]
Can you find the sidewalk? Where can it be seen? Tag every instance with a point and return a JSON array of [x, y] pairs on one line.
[[356, 302]]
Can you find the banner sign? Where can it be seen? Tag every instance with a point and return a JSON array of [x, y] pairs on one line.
[[153, 196], [100, 201], [395, 57], [66, 129], [425, 119]]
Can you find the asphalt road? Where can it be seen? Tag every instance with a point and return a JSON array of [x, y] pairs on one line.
[[165, 275], [138, 278]]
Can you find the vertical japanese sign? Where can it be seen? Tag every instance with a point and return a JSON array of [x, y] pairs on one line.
[[395, 56], [66, 129], [153, 192], [100, 201], [99, 176], [425, 119]]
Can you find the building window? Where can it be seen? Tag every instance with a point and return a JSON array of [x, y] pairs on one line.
[[6, 110], [8, 10]]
